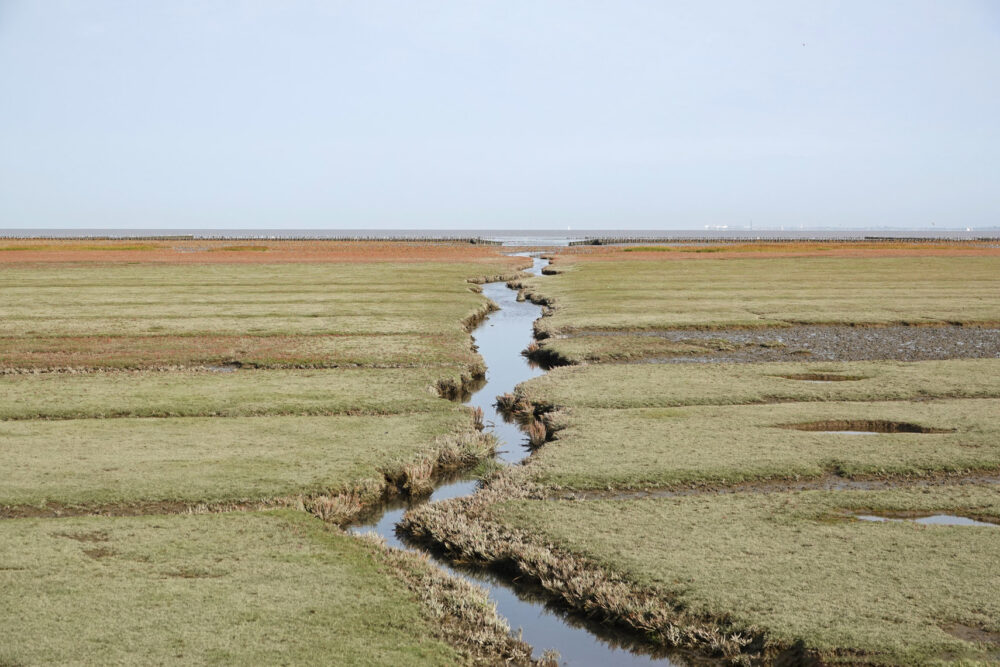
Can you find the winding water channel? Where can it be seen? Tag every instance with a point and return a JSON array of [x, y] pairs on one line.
[[500, 339]]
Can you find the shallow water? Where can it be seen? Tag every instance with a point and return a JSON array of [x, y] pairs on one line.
[[500, 339], [933, 520]]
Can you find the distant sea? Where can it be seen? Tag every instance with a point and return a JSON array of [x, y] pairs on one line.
[[516, 236]]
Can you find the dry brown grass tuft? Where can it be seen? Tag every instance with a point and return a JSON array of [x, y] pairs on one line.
[[505, 403], [337, 509], [417, 477], [537, 433]]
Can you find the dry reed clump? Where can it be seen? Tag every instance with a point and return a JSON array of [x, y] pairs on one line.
[[537, 433], [337, 509], [417, 477], [542, 328], [463, 613], [461, 389], [477, 369], [458, 450], [505, 403], [463, 529], [477, 418], [464, 449], [547, 357], [516, 406]]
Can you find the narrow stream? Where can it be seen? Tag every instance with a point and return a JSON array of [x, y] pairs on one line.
[[500, 339]]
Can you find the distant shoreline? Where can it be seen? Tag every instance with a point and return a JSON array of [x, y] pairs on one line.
[[518, 237]]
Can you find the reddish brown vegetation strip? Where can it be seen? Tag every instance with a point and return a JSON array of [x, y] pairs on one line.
[[266, 252]]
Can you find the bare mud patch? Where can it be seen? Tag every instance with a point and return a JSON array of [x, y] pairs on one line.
[[94, 536], [837, 342], [99, 553], [863, 426], [969, 633]]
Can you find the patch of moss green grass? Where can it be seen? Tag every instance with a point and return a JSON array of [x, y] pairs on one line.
[[94, 462], [241, 588], [241, 299], [360, 391], [664, 385], [707, 293], [666, 447], [796, 567]]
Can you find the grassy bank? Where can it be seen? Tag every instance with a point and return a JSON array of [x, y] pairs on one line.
[[629, 295], [358, 391], [665, 385], [249, 588], [109, 406], [664, 447], [253, 299], [796, 568], [100, 462]]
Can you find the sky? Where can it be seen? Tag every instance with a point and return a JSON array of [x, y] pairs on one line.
[[515, 114]]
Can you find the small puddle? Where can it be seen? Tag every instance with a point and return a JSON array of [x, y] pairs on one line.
[[851, 432], [931, 520], [500, 338]]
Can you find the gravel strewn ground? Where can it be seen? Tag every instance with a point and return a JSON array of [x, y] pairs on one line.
[[839, 343]]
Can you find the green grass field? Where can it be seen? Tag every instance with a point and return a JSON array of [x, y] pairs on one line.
[[258, 299], [242, 588], [95, 462], [664, 385], [336, 406], [338, 403], [642, 295], [621, 348], [796, 567], [362, 391], [664, 447]]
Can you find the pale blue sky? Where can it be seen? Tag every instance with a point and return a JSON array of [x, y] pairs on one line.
[[510, 114]]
